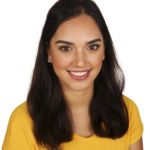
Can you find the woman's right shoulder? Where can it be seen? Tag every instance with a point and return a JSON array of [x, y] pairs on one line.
[[20, 111]]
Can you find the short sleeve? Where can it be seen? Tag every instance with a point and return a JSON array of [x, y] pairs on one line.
[[135, 123], [16, 138]]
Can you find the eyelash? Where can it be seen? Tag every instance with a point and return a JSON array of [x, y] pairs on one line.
[[97, 45]]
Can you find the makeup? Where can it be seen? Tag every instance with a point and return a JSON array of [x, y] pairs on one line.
[[82, 77]]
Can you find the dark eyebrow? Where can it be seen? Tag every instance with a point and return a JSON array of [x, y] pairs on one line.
[[69, 43]]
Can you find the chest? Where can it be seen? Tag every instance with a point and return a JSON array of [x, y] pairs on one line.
[[82, 126], [83, 132]]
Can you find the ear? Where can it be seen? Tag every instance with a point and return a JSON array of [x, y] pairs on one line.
[[48, 51], [48, 54], [103, 57]]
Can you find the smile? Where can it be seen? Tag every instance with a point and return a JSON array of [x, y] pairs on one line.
[[79, 75]]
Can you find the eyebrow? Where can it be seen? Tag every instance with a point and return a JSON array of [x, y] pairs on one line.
[[69, 43]]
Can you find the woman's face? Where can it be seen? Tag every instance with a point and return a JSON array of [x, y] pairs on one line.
[[78, 56]]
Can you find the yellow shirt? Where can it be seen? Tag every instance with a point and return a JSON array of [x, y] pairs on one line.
[[19, 135]]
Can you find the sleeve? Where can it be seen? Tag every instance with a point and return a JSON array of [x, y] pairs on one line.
[[15, 138], [135, 124]]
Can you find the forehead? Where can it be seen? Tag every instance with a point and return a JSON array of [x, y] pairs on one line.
[[79, 28]]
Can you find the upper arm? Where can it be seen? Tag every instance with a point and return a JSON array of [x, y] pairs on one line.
[[137, 146]]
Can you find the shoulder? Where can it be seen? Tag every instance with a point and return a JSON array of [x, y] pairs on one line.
[[130, 104], [20, 113], [19, 129], [128, 101], [132, 108]]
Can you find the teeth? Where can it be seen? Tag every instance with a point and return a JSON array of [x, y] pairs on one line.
[[78, 73]]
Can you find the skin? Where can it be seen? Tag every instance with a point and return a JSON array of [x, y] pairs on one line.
[[79, 30]]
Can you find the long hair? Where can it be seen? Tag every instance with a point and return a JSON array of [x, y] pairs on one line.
[[45, 101]]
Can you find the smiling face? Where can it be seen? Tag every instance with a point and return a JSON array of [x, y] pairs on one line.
[[77, 45]]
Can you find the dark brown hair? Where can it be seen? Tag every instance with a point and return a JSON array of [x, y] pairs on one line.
[[45, 101]]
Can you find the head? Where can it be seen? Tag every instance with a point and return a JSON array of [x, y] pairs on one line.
[[77, 56], [77, 27], [77, 22]]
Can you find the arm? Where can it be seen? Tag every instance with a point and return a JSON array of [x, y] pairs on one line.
[[137, 146]]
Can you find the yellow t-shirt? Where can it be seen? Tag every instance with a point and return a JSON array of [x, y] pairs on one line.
[[19, 135]]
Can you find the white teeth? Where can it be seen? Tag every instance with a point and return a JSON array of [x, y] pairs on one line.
[[78, 73]]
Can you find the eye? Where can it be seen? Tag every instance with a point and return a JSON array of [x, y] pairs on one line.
[[97, 45], [64, 48]]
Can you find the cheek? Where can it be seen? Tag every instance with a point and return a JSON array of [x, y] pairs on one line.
[[96, 61], [60, 62], [63, 61]]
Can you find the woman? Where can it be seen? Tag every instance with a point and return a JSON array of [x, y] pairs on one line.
[[75, 98]]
